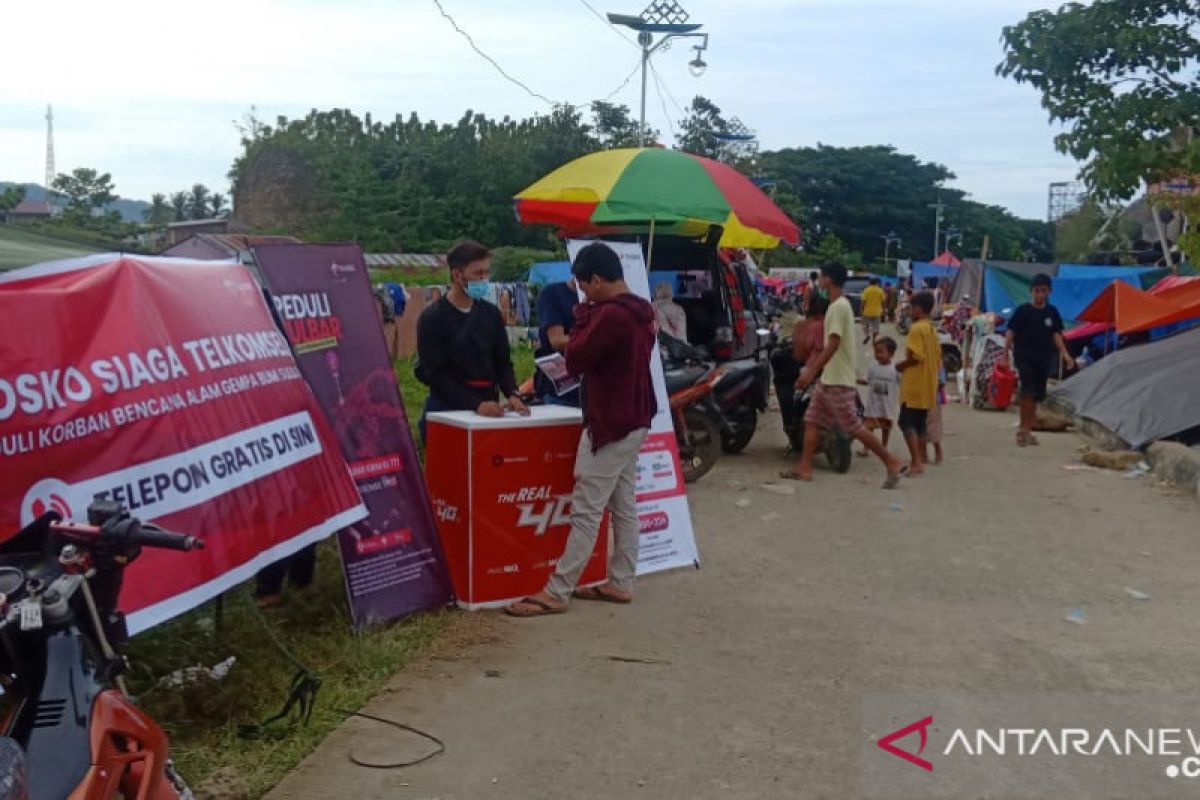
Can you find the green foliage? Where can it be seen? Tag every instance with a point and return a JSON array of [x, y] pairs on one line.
[[180, 205], [1122, 77], [86, 191], [861, 193], [511, 264], [424, 277], [198, 202], [614, 126], [11, 197], [1076, 231], [160, 212], [415, 185]]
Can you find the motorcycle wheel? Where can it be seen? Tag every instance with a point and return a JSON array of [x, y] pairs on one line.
[[745, 421], [904, 325], [839, 453], [951, 361], [703, 446]]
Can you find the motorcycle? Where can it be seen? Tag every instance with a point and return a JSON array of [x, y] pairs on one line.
[[699, 424], [904, 318], [835, 444], [71, 729]]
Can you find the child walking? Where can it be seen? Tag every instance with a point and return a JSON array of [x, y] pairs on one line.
[[883, 390]]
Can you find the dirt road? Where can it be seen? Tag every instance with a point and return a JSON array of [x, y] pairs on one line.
[[746, 679]]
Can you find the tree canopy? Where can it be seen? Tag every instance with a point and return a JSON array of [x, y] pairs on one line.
[[416, 185], [1123, 78], [861, 194]]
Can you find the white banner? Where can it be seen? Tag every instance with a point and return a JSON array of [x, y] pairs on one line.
[[666, 522]]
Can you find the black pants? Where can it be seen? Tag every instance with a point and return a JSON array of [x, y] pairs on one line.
[[298, 568]]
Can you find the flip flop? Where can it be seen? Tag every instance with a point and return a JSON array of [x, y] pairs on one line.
[[544, 608], [893, 479], [792, 475], [597, 594]]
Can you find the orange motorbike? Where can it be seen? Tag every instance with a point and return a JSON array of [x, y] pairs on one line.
[[70, 730]]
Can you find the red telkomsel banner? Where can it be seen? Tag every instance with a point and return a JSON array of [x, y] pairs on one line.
[[164, 384]]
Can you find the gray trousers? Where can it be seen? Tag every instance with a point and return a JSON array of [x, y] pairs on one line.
[[604, 479]]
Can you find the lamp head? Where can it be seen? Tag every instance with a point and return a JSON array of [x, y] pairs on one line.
[[697, 66]]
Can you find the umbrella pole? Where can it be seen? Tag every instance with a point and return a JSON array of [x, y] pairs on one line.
[[650, 251]]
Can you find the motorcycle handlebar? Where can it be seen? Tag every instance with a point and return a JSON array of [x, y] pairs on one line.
[[133, 532], [154, 536]]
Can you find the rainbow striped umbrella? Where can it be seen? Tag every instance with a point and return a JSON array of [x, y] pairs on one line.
[[679, 193]]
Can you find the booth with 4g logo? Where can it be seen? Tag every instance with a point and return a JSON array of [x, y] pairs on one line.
[[501, 491]]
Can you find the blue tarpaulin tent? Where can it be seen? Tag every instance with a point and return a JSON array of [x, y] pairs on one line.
[[548, 272], [922, 271], [1111, 273]]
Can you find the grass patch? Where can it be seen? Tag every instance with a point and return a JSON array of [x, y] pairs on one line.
[[315, 625], [20, 247]]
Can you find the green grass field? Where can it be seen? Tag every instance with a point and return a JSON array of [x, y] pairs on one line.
[[20, 248]]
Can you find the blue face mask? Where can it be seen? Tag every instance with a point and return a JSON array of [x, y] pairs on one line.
[[479, 290]]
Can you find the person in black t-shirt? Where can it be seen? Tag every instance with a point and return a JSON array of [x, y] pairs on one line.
[[556, 316], [1035, 344], [462, 345]]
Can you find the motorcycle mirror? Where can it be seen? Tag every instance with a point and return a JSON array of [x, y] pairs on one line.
[[763, 332]]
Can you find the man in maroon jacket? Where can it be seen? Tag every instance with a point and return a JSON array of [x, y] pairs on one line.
[[610, 349]]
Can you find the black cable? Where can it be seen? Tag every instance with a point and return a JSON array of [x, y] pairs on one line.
[[491, 60], [441, 746], [604, 19]]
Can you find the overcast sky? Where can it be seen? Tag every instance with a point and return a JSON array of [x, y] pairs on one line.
[[148, 89]]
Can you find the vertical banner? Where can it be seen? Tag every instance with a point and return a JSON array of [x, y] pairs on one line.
[[322, 294], [663, 514], [164, 384]]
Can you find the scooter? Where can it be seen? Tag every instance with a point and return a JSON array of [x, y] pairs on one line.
[[70, 730], [699, 423], [835, 444]]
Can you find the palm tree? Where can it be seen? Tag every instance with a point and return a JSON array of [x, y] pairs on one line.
[[180, 205], [199, 201], [160, 211], [217, 204]]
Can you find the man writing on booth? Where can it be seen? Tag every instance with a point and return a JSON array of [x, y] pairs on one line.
[[462, 345], [609, 349]]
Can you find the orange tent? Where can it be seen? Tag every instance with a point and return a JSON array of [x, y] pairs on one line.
[[947, 259], [1133, 310]]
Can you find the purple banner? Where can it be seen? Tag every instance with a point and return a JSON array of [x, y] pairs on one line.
[[393, 559]]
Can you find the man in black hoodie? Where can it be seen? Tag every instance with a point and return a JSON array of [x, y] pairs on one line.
[[462, 345], [610, 348]]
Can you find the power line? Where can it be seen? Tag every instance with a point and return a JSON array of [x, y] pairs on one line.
[[670, 96], [662, 101], [489, 59], [607, 24], [625, 82]]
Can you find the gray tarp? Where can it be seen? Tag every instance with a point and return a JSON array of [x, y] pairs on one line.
[[1143, 393]]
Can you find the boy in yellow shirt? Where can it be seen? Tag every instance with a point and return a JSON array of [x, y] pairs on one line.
[[919, 380], [872, 310]]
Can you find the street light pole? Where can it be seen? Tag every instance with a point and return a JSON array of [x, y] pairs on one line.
[[939, 207], [669, 18], [888, 241]]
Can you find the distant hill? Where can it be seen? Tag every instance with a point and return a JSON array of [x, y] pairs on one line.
[[130, 210]]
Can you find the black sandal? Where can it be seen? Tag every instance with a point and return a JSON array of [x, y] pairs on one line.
[[544, 608]]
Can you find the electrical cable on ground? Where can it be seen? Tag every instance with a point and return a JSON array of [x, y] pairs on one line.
[[303, 696], [491, 60]]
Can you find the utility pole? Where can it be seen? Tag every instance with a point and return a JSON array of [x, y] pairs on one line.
[[940, 209], [49, 150], [891, 238], [669, 18]]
